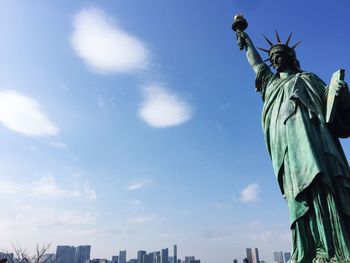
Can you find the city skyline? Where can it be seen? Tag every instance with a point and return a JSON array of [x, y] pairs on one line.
[[132, 126], [81, 254]]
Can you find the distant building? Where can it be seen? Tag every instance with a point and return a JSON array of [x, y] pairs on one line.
[[149, 258], [287, 256], [82, 254], [153, 257], [278, 257], [132, 261], [175, 253], [140, 256], [235, 261], [48, 258], [157, 258], [252, 255], [195, 261], [97, 260], [114, 259], [65, 254], [122, 256], [188, 259], [7, 256], [165, 255]]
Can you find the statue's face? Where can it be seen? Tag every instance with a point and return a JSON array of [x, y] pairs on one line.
[[281, 61]]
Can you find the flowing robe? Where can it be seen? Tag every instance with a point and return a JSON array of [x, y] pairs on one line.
[[304, 149]]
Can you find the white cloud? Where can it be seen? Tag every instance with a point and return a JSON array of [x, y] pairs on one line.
[[135, 185], [104, 46], [162, 108], [46, 187], [250, 193], [23, 114]]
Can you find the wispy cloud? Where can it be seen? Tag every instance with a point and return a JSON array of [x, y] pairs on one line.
[[23, 114], [59, 145], [101, 103], [221, 205], [163, 108], [47, 187], [101, 231], [135, 185], [142, 219], [217, 234], [250, 193], [32, 217], [104, 45], [263, 237], [89, 192]]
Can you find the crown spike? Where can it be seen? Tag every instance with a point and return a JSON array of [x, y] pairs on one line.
[[266, 60], [278, 37], [263, 49], [290, 35], [268, 41], [270, 65], [293, 47]]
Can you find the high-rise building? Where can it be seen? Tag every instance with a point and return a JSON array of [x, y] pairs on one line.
[[97, 260], [122, 256], [47, 258], [65, 254], [82, 254], [140, 256], [188, 259], [252, 255], [278, 257], [249, 255], [148, 258], [286, 256], [114, 259], [195, 261], [157, 257], [235, 261], [175, 253], [165, 255], [153, 257], [7, 256]]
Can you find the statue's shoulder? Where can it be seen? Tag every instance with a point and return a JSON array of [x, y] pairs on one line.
[[312, 77]]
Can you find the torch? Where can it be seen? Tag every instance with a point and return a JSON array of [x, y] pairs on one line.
[[239, 25]]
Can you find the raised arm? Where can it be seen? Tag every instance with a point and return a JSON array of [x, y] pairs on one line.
[[253, 56]]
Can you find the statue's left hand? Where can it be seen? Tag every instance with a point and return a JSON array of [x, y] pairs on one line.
[[342, 90]]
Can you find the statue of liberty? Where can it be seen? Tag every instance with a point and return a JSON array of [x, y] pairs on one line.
[[302, 120]]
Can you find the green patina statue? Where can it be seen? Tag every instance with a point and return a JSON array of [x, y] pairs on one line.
[[302, 120]]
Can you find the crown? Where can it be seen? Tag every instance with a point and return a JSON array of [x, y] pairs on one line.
[[280, 47]]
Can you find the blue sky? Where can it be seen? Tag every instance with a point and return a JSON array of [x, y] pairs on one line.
[[135, 125]]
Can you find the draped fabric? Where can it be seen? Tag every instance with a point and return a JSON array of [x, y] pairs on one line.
[[309, 163]]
